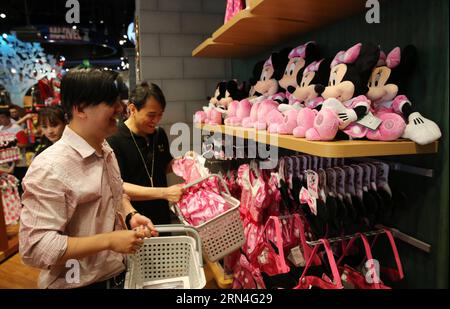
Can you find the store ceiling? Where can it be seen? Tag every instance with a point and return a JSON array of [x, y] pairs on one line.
[[103, 23]]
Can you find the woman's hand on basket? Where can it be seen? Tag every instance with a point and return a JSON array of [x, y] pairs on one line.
[[126, 241], [142, 223], [173, 193]]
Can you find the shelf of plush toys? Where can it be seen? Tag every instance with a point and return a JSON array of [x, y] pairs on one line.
[[266, 23], [331, 149]]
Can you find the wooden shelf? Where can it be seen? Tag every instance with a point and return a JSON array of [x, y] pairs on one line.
[[271, 22], [211, 49], [333, 149], [312, 11]]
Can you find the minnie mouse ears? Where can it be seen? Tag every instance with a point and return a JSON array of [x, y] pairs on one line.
[[392, 60], [300, 51], [313, 67], [348, 56], [268, 62]]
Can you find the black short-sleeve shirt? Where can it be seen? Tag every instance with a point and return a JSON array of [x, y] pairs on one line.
[[133, 171]]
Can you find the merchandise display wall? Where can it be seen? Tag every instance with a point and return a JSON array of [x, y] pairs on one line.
[[168, 32], [425, 25]]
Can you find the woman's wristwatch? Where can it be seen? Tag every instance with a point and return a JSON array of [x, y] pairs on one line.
[[128, 218]]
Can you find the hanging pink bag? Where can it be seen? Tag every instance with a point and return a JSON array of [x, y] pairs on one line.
[[233, 7]]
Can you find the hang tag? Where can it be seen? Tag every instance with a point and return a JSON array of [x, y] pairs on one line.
[[370, 121], [312, 179], [296, 257], [345, 281], [263, 258], [201, 160]]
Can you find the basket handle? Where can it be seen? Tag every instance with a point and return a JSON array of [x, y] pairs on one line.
[[206, 177], [169, 228]]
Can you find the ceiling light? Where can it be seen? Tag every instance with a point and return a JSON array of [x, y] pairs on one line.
[[101, 21], [3, 15]]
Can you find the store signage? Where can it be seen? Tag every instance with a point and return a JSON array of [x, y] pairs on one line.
[[66, 34]]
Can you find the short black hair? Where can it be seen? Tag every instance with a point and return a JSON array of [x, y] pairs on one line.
[[86, 87], [4, 110], [142, 92], [53, 114]]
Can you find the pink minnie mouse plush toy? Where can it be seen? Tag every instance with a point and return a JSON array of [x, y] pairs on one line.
[[268, 85], [387, 81], [267, 91], [345, 102], [224, 95], [309, 93], [237, 111], [299, 58]]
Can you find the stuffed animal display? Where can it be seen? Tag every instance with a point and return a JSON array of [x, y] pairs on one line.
[[391, 106], [226, 92], [358, 93]]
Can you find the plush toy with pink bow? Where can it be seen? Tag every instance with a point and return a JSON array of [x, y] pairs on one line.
[[345, 101], [309, 93], [283, 120], [299, 58], [226, 92], [391, 106], [267, 91], [238, 110]]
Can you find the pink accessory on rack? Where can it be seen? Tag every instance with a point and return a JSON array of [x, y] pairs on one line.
[[233, 7], [10, 198]]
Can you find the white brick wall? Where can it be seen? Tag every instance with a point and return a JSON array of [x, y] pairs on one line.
[[192, 107], [161, 67], [200, 23], [169, 31], [149, 45], [146, 5], [160, 22], [214, 7], [204, 68], [174, 112], [184, 89], [181, 5], [179, 44]]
